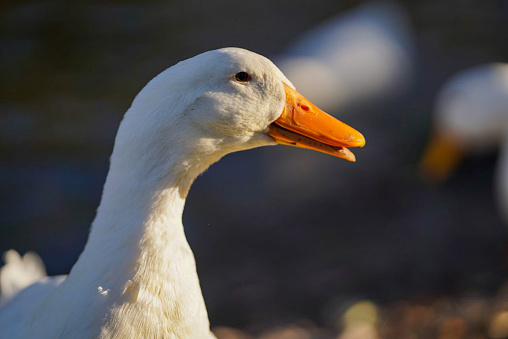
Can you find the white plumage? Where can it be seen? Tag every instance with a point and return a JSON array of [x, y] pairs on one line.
[[366, 54], [19, 272], [136, 277], [473, 107]]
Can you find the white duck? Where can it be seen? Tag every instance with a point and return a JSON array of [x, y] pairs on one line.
[[365, 54], [136, 277], [471, 116]]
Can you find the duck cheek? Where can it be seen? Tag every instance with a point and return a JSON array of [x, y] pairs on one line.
[[206, 120], [275, 108]]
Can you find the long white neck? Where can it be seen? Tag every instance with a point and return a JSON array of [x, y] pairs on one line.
[[138, 247], [142, 259], [137, 275]]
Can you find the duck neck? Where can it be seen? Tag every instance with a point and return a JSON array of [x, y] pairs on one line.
[[142, 263]]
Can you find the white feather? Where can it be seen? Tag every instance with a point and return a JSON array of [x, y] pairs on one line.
[[19, 272], [136, 277]]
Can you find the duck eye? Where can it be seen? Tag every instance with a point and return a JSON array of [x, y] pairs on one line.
[[242, 77]]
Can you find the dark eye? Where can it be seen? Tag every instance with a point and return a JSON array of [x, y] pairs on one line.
[[242, 77]]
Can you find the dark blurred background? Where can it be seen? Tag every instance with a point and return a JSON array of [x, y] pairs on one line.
[[279, 234]]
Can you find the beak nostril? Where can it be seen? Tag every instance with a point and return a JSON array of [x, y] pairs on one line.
[[304, 107]]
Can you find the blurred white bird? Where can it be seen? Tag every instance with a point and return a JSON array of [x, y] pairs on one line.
[[360, 56], [136, 277], [471, 116]]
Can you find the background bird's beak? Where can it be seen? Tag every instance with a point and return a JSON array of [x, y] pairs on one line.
[[302, 124], [442, 156]]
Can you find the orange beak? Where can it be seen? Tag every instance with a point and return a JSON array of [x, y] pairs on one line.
[[442, 156], [302, 124]]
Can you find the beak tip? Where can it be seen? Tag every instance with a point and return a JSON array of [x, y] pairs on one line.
[[349, 156], [360, 140], [356, 139]]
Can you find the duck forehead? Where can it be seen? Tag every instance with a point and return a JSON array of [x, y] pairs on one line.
[[239, 59]]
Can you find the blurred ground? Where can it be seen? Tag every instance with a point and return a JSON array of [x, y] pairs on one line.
[[279, 234]]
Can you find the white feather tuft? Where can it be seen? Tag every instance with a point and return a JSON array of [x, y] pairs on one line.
[[19, 272]]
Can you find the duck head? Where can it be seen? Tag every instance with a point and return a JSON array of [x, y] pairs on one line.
[[229, 100], [470, 116]]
